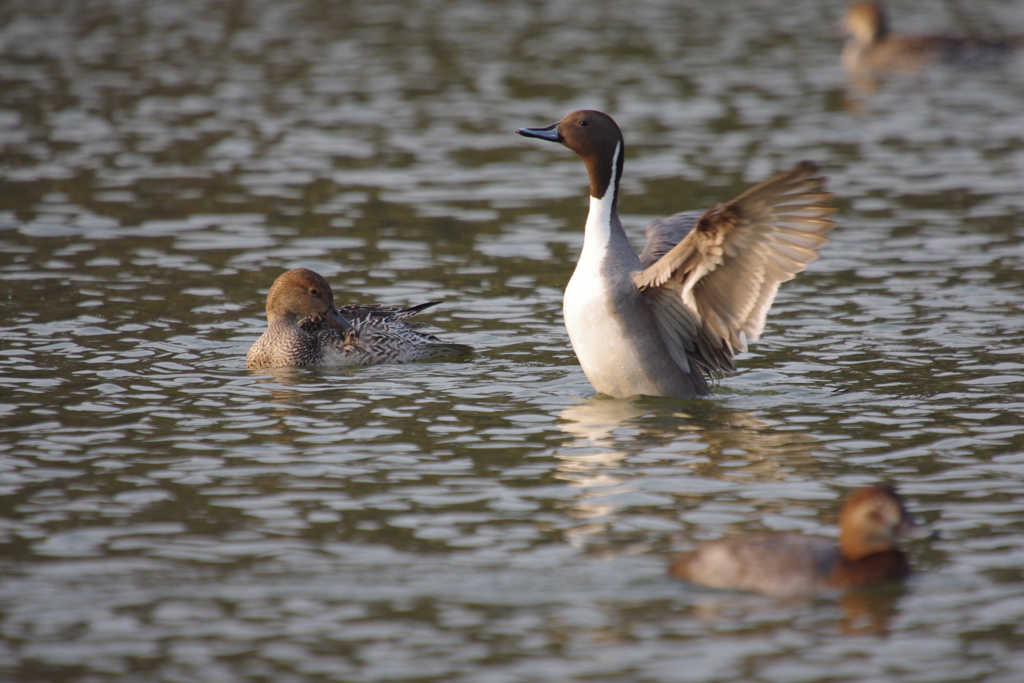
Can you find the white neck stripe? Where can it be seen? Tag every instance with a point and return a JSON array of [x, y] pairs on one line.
[[599, 219]]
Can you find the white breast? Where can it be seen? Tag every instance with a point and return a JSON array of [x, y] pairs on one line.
[[585, 306]]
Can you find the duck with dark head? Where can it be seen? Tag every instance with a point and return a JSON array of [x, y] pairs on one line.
[[657, 323]]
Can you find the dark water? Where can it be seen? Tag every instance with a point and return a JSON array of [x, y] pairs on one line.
[[166, 515]]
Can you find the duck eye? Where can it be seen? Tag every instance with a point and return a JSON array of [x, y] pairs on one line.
[[584, 122], [314, 291]]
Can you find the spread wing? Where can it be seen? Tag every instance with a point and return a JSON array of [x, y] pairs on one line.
[[713, 289], [665, 233]]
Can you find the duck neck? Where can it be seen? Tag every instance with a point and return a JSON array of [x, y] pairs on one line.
[[854, 546], [282, 320], [603, 225], [881, 29]]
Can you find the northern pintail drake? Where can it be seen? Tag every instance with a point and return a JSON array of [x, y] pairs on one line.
[[655, 323], [794, 565], [304, 327], [871, 47]]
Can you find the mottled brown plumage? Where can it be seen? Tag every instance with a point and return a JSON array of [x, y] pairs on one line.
[[305, 328]]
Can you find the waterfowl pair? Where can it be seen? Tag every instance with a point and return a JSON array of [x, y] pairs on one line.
[[873, 49], [794, 565], [304, 327], [657, 322]]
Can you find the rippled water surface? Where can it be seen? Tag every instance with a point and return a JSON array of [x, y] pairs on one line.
[[167, 515]]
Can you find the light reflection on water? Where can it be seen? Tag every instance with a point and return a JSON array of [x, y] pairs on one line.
[[166, 515]]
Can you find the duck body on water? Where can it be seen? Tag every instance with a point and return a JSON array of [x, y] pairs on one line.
[[305, 328], [657, 323], [873, 49], [786, 565]]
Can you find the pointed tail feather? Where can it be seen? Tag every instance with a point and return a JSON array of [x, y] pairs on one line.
[[446, 350]]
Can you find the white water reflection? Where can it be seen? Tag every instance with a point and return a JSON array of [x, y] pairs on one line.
[[667, 455]]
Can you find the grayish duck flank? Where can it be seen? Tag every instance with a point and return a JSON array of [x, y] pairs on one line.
[[658, 322]]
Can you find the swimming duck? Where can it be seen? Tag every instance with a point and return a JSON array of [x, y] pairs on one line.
[[793, 565], [872, 48], [655, 323], [304, 327]]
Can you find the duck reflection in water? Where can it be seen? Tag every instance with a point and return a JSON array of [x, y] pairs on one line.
[[854, 613], [707, 434], [722, 447]]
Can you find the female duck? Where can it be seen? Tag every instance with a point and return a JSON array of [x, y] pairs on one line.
[[872, 48], [793, 565], [304, 327]]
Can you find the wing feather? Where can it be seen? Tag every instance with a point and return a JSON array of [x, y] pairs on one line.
[[665, 233], [714, 287]]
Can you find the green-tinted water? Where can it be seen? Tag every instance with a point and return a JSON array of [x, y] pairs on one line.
[[166, 515]]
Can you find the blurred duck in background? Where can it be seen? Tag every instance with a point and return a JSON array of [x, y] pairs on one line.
[[872, 49], [794, 565]]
